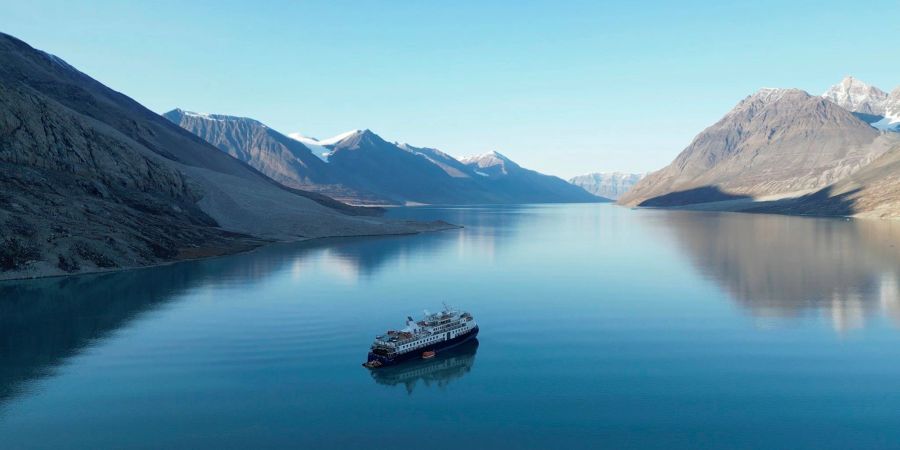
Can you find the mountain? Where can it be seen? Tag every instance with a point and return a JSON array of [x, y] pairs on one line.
[[321, 147], [93, 181], [409, 174], [361, 167], [611, 185], [891, 119], [857, 96], [284, 159], [774, 143], [873, 191], [393, 173], [279, 157], [507, 177], [450, 165]]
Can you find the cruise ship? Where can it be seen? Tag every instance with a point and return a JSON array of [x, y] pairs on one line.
[[422, 339]]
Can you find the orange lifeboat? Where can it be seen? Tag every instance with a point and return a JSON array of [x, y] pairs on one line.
[[428, 355]]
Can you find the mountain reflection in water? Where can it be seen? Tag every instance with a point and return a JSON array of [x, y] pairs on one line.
[[785, 267], [447, 366], [591, 314]]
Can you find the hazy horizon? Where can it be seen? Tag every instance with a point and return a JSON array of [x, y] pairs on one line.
[[566, 89]]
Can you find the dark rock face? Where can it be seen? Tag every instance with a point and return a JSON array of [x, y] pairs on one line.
[[91, 180], [76, 196], [777, 142]]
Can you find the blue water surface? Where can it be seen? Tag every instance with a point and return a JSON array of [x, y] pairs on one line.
[[601, 327]]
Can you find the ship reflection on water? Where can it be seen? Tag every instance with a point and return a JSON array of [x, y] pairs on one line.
[[447, 366]]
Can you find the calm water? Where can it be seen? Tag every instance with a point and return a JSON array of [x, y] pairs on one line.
[[601, 327]]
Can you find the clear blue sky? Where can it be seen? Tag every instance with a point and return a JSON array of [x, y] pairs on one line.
[[563, 87]]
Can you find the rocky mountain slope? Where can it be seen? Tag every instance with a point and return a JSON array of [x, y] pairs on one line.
[[774, 143], [361, 167], [868, 103], [891, 119], [857, 96], [611, 185], [393, 173], [91, 180], [505, 176], [873, 191], [281, 158]]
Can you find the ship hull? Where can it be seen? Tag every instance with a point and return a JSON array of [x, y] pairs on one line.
[[417, 354]]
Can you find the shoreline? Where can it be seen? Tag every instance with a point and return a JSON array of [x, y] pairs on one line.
[[438, 227], [772, 207]]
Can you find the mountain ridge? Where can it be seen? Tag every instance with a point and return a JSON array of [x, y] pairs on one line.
[[94, 181], [393, 173], [611, 185], [785, 151], [759, 148], [857, 96]]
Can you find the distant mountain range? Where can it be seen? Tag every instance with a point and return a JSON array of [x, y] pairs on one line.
[[611, 185], [362, 168], [91, 180], [784, 150]]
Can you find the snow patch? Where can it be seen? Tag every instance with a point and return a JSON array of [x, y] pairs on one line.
[[205, 116], [313, 145], [888, 123], [335, 139]]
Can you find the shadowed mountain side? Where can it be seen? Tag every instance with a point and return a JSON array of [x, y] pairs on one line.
[[786, 267], [95, 181], [867, 118], [873, 191], [361, 167], [822, 203], [279, 157], [704, 194], [401, 176], [505, 176]]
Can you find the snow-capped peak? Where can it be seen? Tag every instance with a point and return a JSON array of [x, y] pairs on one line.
[[770, 94], [489, 158], [200, 115], [303, 139], [491, 164], [320, 147], [313, 145], [857, 96], [335, 139], [329, 141], [177, 112]]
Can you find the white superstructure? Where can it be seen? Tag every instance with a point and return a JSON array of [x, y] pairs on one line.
[[432, 332]]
